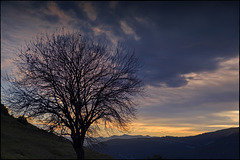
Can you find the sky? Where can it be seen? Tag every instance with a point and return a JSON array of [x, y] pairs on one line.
[[189, 52]]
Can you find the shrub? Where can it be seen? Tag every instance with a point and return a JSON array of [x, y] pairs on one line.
[[22, 120], [4, 110]]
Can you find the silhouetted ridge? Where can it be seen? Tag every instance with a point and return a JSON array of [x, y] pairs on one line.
[[222, 144]]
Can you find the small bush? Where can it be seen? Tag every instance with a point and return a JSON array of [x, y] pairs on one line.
[[22, 120], [4, 110]]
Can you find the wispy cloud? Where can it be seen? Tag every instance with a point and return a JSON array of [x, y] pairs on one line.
[[90, 10], [207, 102], [128, 30], [108, 32], [54, 10], [141, 20]]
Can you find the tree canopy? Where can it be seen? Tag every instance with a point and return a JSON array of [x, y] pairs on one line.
[[71, 82]]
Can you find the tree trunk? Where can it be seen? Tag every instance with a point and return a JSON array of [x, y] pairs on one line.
[[78, 146], [80, 152]]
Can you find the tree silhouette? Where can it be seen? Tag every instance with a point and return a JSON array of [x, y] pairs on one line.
[[74, 84]]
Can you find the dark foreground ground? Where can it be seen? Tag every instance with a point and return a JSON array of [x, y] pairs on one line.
[[25, 141]]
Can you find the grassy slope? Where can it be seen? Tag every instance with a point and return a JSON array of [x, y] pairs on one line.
[[19, 141]]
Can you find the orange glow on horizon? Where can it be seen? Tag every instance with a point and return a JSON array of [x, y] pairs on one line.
[[159, 131]]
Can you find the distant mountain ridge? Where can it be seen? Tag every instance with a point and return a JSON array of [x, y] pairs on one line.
[[221, 144], [103, 139], [124, 136]]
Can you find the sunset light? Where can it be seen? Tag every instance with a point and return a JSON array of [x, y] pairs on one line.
[[157, 69]]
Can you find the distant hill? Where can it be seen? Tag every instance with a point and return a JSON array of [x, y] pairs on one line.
[[21, 140], [125, 136], [103, 139], [222, 144]]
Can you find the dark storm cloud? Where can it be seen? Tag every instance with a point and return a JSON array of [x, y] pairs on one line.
[[170, 39], [175, 38], [183, 38]]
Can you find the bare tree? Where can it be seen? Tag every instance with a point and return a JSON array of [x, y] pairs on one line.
[[73, 84]]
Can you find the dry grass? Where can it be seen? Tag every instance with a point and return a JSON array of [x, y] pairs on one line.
[[19, 141]]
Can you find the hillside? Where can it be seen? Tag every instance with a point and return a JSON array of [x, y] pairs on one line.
[[25, 141], [222, 144]]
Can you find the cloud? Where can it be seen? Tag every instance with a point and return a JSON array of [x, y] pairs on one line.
[[176, 81], [185, 124], [107, 31], [128, 30], [90, 11], [141, 20], [169, 42], [189, 53], [178, 40], [21, 21], [6, 64], [232, 115], [209, 101], [113, 4], [209, 85], [55, 11]]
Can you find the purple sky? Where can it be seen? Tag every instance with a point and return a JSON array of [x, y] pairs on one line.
[[189, 52]]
